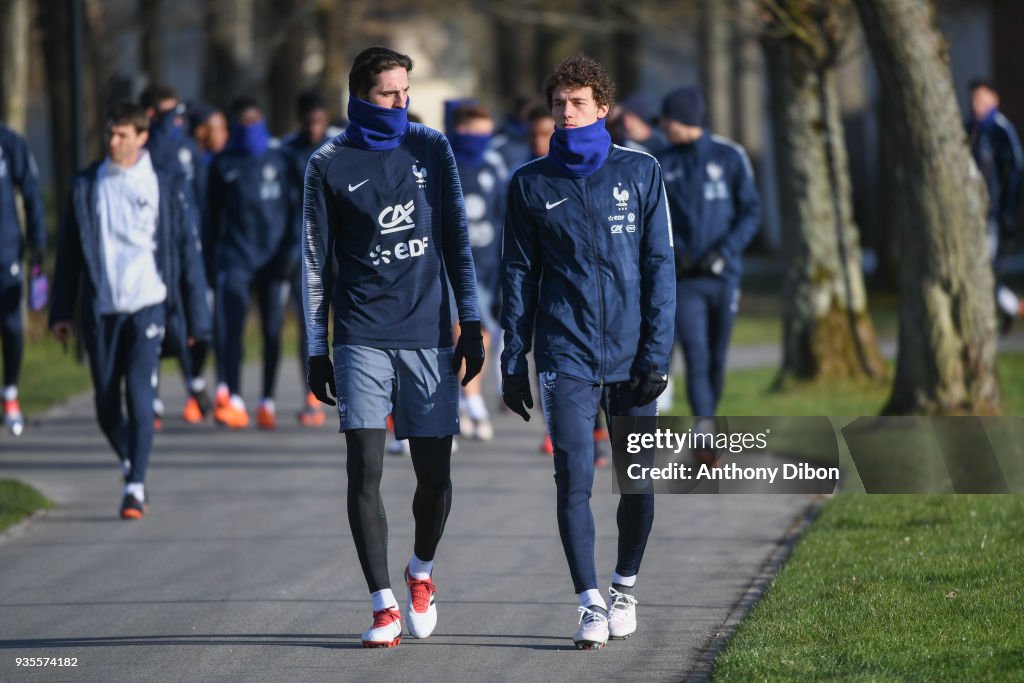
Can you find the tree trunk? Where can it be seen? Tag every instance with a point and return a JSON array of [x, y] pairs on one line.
[[827, 331], [715, 36], [14, 33], [947, 338], [151, 40], [334, 20], [285, 78], [55, 21], [229, 48]]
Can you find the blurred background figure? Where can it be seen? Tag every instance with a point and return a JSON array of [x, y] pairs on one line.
[[715, 213], [251, 243], [300, 145], [483, 189], [633, 124], [540, 126], [17, 173], [996, 149], [174, 152]]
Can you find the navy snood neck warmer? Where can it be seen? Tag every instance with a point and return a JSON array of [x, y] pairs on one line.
[[376, 128], [469, 149], [580, 151]]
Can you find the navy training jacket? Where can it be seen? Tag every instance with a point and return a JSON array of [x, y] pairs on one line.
[[18, 171], [997, 151], [249, 216], [484, 188], [587, 270], [713, 199], [395, 223], [79, 266]]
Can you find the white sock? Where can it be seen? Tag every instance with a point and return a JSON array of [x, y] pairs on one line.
[[158, 407], [476, 407], [222, 388], [420, 569], [237, 401], [268, 403], [136, 489], [624, 580], [10, 392], [197, 384], [589, 598], [383, 599]]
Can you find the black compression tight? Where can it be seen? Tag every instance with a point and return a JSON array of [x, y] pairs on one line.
[[431, 459]]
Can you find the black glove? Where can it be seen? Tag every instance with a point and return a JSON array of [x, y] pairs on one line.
[[713, 263], [470, 348], [321, 378], [684, 264], [515, 392], [647, 387]]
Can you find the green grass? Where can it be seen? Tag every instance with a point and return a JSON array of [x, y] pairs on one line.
[[18, 501], [902, 588], [749, 392], [48, 374], [759, 320]]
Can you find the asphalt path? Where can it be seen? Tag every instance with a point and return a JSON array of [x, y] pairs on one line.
[[245, 570]]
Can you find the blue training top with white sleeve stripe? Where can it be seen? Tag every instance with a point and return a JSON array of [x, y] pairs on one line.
[[395, 223]]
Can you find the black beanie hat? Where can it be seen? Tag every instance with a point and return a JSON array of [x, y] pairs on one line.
[[685, 105]]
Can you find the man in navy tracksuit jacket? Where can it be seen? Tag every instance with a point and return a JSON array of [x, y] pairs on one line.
[[17, 171], [127, 255], [300, 145], [484, 185], [172, 151], [251, 242], [997, 152], [587, 272], [383, 200], [715, 213]]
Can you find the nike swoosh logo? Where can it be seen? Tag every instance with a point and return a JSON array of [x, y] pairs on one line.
[[551, 205], [353, 188]]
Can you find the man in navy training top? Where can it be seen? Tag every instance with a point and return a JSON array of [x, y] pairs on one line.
[[251, 240], [715, 213], [173, 151], [483, 188], [587, 271], [997, 151], [127, 255], [17, 172], [312, 132], [383, 199]]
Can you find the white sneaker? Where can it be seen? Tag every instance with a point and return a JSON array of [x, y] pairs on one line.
[[621, 615], [398, 447], [465, 425], [386, 630], [483, 430], [593, 631], [420, 610]]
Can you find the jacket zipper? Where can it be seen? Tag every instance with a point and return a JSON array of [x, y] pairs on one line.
[[600, 289]]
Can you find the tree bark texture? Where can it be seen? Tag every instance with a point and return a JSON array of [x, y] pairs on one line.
[[947, 338], [827, 331], [14, 34]]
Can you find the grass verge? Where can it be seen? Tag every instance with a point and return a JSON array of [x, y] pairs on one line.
[[893, 588], [18, 501]]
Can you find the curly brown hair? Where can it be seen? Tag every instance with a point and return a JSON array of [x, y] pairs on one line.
[[581, 71]]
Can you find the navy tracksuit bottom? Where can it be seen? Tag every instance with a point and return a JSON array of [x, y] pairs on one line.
[[705, 310], [570, 407], [232, 306], [125, 348], [11, 325]]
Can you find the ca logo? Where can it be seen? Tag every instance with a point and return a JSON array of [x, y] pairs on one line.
[[396, 218]]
